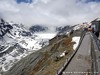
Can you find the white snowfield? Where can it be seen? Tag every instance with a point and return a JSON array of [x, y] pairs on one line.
[[76, 40], [31, 45], [46, 35]]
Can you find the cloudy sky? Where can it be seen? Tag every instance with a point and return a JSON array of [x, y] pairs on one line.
[[49, 12]]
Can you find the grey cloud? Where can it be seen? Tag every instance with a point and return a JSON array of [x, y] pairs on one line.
[[49, 12]]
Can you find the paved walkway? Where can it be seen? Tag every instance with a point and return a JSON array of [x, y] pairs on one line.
[[81, 63]]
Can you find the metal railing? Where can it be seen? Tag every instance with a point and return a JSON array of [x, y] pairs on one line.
[[95, 53]]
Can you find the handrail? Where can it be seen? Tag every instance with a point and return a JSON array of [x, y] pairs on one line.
[[94, 50], [96, 40], [60, 71]]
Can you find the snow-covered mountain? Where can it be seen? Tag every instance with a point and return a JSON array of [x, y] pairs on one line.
[[61, 29], [16, 33], [17, 42], [38, 28]]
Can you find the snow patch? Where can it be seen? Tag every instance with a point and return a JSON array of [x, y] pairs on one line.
[[76, 40], [46, 35]]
